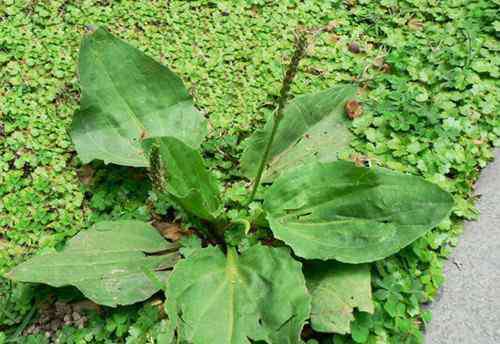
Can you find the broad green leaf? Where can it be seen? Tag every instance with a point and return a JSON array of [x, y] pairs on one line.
[[189, 182], [352, 214], [108, 263], [259, 295], [313, 129], [127, 96], [336, 289]]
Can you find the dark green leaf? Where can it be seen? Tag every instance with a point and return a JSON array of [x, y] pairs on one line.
[[313, 129], [107, 263], [353, 214], [258, 295], [127, 96], [189, 182], [336, 289]]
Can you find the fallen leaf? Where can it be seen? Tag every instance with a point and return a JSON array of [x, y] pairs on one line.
[[353, 109], [85, 305], [333, 38], [86, 174], [332, 25], [415, 24], [171, 231], [354, 48]]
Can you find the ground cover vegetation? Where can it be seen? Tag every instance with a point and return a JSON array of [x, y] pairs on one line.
[[428, 75]]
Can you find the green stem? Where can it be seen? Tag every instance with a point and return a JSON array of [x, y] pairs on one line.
[[300, 48], [469, 52], [16, 336], [246, 225], [153, 278]]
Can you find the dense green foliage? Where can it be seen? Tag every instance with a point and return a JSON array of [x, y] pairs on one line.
[[432, 113], [230, 293]]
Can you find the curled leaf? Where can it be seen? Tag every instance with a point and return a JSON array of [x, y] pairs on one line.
[[186, 177]]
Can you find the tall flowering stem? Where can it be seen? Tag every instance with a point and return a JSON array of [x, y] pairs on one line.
[[299, 53]]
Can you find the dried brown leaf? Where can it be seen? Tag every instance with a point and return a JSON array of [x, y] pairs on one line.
[[354, 48], [415, 24], [353, 109], [332, 25], [86, 174], [171, 231]]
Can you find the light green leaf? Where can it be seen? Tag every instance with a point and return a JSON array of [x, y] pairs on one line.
[[189, 182], [127, 96], [336, 289], [313, 129], [352, 214], [258, 295], [107, 263]]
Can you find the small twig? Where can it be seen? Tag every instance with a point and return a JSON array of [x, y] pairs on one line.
[[300, 51]]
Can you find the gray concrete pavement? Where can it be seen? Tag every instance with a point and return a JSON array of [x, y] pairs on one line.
[[468, 310]]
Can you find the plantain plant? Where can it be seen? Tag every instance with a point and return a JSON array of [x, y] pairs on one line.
[[329, 218]]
